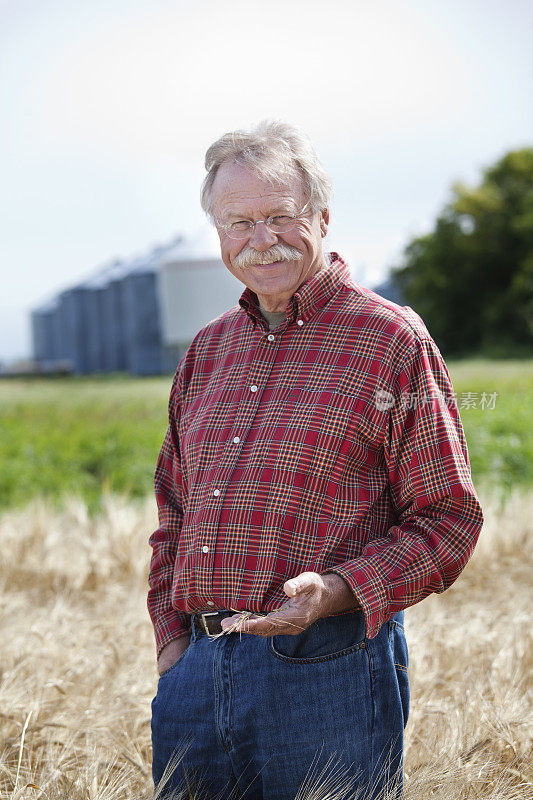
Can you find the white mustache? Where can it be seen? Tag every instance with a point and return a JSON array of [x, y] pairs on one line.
[[278, 252]]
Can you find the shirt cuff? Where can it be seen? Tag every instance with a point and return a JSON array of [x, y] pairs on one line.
[[365, 582], [167, 627]]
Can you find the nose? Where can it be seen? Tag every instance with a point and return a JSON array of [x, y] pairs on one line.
[[262, 237]]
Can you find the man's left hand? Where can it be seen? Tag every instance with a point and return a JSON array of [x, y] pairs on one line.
[[311, 596]]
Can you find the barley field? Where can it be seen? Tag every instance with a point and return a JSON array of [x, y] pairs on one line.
[[78, 668], [77, 665]]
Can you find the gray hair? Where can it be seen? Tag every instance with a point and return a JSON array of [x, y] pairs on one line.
[[274, 150]]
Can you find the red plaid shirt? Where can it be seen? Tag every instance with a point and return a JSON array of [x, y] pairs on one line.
[[327, 445]]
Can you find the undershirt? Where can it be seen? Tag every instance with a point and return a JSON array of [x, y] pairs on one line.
[[274, 318]]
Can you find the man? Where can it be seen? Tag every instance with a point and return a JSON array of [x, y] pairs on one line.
[[314, 473]]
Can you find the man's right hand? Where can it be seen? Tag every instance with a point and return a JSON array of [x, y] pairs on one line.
[[170, 654]]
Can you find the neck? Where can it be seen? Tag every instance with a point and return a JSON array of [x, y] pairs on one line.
[[276, 303]]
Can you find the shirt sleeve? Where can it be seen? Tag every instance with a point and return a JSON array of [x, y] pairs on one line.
[[169, 623], [438, 514]]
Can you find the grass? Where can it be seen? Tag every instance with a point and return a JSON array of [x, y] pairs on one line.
[[81, 436], [77, 672], [500, 439]]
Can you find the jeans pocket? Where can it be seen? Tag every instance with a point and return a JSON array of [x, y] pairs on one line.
[[175, 664], [325, 639]]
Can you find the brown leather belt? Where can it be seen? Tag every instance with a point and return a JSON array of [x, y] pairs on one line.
[[209, 621]]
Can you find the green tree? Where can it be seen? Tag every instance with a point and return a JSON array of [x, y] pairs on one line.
[[471, 278]]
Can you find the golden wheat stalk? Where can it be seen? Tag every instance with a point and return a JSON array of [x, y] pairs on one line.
[[244, 615]]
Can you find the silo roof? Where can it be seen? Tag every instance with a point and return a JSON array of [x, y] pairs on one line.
[[47, 307], [199, 247], [102, 276]]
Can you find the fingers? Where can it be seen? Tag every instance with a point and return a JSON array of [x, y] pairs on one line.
[[269, 625], [237, 621], [305, 588], [292, 587], [259, 627], [232, 623], [273, 624], [305, 582]]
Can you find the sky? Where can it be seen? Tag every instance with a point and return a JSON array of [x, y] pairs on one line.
[[108, 108]]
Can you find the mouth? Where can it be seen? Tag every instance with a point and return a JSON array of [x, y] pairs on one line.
[[270, 265]]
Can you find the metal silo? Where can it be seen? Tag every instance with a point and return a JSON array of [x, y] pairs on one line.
[[139, 315], [144, 349], [59, 344], [194, 288], [96, 344], [42, 324], [113, 319], [73, 324], [82, 324]]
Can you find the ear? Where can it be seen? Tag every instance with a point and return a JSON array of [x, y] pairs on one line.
[[324, 221]]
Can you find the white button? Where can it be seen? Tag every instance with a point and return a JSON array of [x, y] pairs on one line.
[[210, 603], [271, 337], [216, 492], [300, 322], [205, 549], [253, 388], [236, 440]]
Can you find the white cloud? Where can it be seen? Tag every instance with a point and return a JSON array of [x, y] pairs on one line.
[[109, 106], [162, 84]]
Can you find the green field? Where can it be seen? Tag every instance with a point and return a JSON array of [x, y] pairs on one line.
[[83, 436]]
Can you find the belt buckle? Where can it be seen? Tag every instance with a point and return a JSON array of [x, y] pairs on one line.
[[203, 615]]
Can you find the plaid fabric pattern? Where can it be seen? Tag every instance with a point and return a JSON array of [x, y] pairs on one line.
[[294, 450]]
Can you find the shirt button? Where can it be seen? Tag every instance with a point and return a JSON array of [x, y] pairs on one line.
[[300, 322], [210, 603], [216, 492], [236, 440], [271, 337], [205, 549], [253, 388]]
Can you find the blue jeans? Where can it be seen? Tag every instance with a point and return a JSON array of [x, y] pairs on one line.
[[257, 717]]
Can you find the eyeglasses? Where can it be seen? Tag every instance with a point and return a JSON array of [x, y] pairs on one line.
[[277, 223]]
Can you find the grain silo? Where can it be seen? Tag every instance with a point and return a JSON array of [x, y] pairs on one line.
[[43, 333], [73, 326], [95, 344], [59, 345], [113, 322], [80, 323], [138, 315], [141, 308], [194, 288]]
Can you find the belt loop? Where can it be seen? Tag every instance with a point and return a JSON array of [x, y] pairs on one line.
[[194, 629]]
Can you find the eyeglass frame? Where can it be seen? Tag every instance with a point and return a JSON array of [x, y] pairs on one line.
[[294, 217]]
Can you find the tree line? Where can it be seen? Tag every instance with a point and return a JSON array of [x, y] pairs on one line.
[[471, 277]]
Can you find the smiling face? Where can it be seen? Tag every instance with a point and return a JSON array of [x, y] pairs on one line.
[[286, 261]]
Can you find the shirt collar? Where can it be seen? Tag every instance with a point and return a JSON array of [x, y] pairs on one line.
[[310, 297]]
